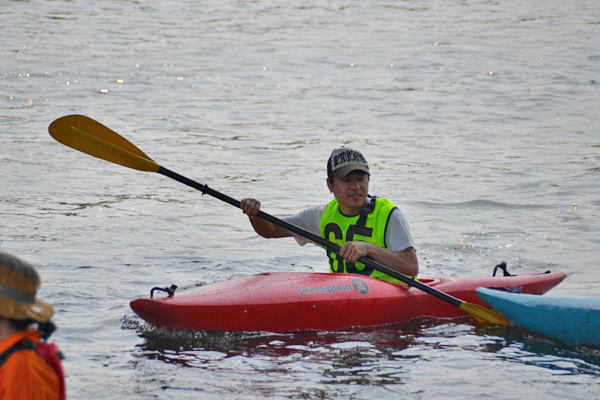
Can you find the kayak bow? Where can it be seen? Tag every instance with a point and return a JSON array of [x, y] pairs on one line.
[[570, 320]]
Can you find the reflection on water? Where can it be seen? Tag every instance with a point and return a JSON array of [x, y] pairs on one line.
[[518, 345], [375, 356]]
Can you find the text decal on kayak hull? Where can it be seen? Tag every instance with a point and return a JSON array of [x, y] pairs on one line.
[[357, 284]]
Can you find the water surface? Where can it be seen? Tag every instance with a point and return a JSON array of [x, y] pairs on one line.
[[479, 120]]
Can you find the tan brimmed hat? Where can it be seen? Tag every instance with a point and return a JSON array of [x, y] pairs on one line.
[[18, 286], [344, 160]]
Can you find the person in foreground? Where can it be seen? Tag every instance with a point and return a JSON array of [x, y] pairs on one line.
[[30, 369], [361, 224]]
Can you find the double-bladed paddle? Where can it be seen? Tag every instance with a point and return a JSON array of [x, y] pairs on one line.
[[93, 138]]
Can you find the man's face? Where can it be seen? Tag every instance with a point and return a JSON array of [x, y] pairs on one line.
[[351, 192]]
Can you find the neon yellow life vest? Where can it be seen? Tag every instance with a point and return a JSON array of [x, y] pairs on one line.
[[368, 226]]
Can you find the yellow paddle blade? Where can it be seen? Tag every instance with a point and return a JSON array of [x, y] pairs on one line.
[[91, 137], [483, 314]]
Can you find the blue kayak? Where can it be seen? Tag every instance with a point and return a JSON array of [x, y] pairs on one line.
[[570, 320]]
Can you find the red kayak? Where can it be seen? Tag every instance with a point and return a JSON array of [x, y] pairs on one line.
[[289, 301]]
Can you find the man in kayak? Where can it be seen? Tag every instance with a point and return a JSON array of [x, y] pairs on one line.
[[29, 369], [362, 225]]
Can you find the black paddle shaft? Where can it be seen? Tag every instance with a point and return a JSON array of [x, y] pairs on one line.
[[312, 237]]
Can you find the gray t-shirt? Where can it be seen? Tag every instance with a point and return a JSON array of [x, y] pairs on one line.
[[397, 234]]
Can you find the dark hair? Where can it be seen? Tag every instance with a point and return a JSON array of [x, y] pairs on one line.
[[46, 328], [20, 324]]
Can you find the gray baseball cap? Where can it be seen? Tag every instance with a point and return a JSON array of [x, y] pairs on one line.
[[344, 160]]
